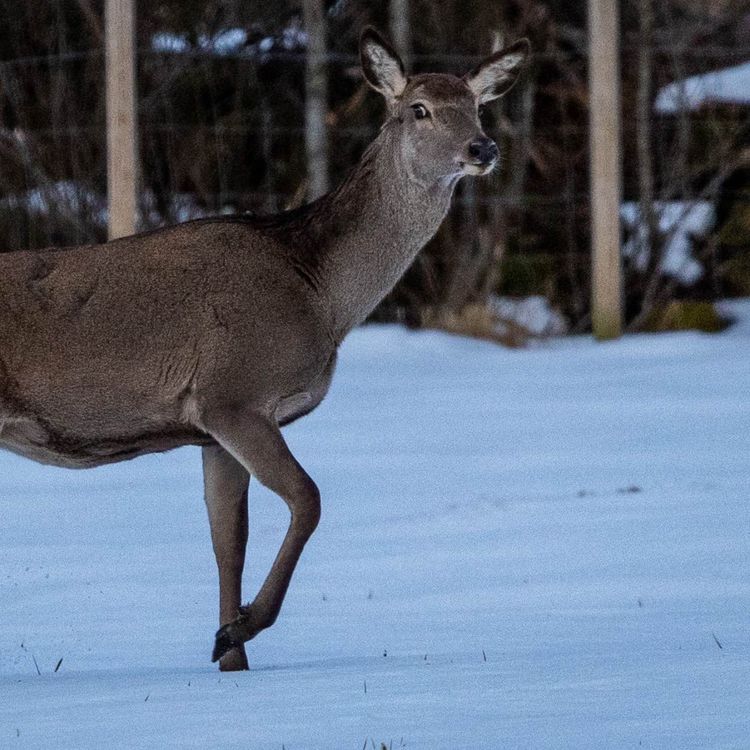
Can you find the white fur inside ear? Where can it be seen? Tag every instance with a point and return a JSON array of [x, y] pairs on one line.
[[493, 78], [390, 79]]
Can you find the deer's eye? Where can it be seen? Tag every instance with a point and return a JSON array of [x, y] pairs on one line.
[[420, 111]]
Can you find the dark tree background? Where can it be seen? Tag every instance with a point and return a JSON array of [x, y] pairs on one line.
[[222, 129]]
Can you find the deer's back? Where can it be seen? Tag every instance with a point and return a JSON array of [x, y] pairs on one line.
[[112, 350]]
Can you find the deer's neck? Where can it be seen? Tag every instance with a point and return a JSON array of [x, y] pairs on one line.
[[368, 231]]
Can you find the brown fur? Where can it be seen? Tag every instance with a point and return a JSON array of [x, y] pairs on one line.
[[216, 332]]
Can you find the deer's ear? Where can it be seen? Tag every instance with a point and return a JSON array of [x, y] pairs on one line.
[[496, 75], [382, 67]]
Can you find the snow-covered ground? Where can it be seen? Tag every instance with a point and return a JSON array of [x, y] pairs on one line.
[[546, 548]]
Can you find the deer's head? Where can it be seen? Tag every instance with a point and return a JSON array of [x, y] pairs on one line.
[[438, 114]]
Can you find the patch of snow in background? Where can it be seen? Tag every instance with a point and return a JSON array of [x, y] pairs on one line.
[[681, 222], [534, 314], [266, 44], [74, 200], [228, 42], [65, 197], [182, 207], [728, 86], [225, 42], [294, 37], [165, 41]]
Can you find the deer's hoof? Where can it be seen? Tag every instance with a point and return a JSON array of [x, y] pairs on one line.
[[227, 639], [234, 660]]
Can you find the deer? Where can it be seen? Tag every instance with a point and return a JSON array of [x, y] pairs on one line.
[[217, 332]]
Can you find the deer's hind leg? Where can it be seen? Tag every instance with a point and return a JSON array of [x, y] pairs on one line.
[[226, 483]]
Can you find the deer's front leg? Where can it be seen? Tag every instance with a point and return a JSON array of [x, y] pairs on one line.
[[226, 482], [256, 442]]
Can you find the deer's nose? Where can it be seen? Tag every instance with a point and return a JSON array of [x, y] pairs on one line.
[[484, 150]]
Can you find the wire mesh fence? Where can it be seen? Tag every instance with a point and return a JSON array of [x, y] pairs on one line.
[[222, 129]]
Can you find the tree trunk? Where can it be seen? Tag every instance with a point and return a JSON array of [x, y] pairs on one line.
[[316, 99], [400, 29], [647, 228], [643, 125]]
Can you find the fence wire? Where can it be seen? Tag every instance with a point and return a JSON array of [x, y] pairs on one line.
[[223, 130]]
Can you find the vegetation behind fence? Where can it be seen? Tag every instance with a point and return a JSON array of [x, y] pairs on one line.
[[222, 125]]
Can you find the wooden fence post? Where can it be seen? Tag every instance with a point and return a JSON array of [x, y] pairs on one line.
[[122, 137], [604, 105], [316, 98], [399, 26]]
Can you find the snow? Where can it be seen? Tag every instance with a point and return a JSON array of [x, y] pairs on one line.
[[680, 222], [534, 314], [227, 42], [63, 196], [725, 86], [74, 199], [230, 42], [543, 548]]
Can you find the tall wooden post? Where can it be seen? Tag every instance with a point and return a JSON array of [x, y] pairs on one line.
[[604, 87], [316, 98], [122, 143], [399, 26]]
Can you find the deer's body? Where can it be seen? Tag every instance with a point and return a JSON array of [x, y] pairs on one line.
[[161, 322], [218, 331]]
